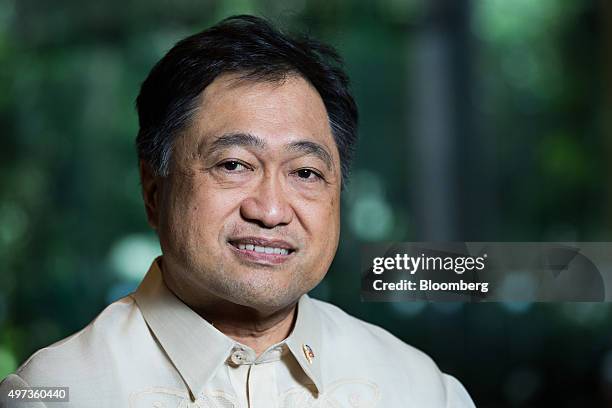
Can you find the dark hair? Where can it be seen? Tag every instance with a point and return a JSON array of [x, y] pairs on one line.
[[256, 50]]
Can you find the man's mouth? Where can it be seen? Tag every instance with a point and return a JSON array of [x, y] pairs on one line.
[[262, 250]]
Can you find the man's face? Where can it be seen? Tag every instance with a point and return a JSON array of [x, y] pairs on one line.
[[250, 211]]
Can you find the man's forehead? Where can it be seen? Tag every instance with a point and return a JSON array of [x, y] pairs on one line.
[[277, 112], [290, 95]]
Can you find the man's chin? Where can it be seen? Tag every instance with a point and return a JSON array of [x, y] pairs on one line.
[[266, 304], [262, 294]]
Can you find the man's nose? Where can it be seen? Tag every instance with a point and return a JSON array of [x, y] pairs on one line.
[[268, 204]]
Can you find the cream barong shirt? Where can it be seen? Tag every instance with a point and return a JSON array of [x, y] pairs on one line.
[[150, 350]]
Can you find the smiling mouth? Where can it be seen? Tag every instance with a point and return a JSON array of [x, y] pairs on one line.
[[261, 250]]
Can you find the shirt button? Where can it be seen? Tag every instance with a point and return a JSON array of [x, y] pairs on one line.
[[238, 357]]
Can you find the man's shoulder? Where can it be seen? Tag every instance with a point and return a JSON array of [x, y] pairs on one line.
[[369, 350], [89, 349], [341, 327]]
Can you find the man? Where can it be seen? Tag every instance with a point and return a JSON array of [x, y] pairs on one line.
[[244, 145]]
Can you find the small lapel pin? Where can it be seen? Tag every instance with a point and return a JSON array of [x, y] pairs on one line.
[[308, 353]]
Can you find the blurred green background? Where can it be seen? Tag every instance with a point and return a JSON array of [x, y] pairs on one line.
[[483, 120]]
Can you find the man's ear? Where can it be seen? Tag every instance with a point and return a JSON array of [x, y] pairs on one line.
[[150, 193]]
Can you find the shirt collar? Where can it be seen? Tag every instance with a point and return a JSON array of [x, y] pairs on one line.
[[193, 345], [197, 349], [305, 339]]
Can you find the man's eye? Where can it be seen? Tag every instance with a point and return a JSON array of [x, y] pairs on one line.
[[308, 174], [233, 165]]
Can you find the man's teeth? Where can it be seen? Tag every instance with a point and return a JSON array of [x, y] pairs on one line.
[[264, 249]]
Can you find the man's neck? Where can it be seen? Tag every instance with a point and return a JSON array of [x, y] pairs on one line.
[[254, 328], [250, 327]]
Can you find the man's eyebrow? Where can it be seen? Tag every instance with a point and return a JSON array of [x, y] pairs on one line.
[[307, 147], [236, 139]]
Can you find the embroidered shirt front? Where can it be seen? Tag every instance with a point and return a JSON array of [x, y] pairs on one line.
[[150, 350]]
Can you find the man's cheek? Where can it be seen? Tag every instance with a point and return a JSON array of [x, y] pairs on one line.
[[219, 201]]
